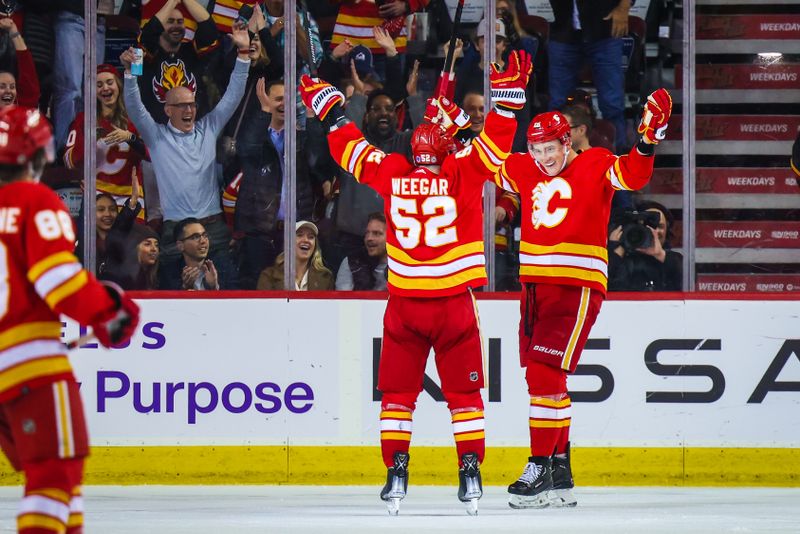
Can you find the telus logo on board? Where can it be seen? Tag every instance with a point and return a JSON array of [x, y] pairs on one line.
[[202, 397]]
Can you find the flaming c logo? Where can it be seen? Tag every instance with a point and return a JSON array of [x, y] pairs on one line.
[[172, 75], [542, 194]]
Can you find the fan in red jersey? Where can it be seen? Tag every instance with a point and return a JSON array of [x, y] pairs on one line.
[[434, 240], [42, 426], [566, 200], [120, 150]]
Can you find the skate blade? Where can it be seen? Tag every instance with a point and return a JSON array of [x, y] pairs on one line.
[[562, 498], [393, 505], [534, 501], [472, 506]]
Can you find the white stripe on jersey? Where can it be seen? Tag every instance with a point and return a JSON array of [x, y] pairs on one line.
[[564, 260], [29, 351], [420, 271], [54, 277]]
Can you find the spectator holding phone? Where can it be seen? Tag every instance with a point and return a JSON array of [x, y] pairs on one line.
[[120, 150]]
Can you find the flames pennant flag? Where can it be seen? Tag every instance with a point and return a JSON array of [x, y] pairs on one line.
[[224, 13]]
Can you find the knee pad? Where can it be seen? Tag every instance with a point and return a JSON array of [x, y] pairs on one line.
[[399, 401], [460, 402], [545, 380]]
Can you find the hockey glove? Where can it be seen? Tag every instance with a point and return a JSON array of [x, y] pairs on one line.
[[319, 95], [117, 325], [657, 110], [444, 112], [508, 87]]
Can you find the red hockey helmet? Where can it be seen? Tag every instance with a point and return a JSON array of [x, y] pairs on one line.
[[549, 126], [23, 131], [430, 144]]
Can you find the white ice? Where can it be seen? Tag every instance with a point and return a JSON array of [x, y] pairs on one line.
[[435, 509]]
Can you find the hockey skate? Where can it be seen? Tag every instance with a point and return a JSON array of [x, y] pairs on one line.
[[396, 483], [470, 488], [561, 495], [534, 485]]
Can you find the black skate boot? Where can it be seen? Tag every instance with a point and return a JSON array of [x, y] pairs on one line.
[[470, 487], [533, 486], [561, 494], [396, 483]]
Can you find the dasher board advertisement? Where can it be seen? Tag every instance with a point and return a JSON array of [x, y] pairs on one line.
[[694, 373]]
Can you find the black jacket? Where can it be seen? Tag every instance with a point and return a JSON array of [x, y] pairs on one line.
[[641, 272], [227, 276], [260, 189]]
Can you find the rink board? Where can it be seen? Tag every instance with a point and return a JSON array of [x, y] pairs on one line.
[[272, 390]]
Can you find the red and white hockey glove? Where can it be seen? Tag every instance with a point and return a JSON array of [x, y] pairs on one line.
[[508, 86], [443, 111], [117, 325], [319, 95], [657, 110]]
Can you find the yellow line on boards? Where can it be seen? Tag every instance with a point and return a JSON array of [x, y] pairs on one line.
[[341, 465]]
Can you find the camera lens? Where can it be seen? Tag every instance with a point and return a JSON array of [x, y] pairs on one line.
[[635, 236]]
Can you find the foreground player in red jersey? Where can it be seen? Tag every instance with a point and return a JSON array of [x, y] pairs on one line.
[[566, 200], [42, 426], [435, 245]]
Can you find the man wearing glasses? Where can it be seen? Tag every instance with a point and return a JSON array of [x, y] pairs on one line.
[[195, 271], [183, 151]]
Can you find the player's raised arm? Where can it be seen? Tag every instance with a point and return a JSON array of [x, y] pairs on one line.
[[349, 148], [488, 151], [633, 170]]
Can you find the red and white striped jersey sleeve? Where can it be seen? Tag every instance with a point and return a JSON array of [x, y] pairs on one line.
[[353, 153], [630, 172], [485, 155], [57, 276]]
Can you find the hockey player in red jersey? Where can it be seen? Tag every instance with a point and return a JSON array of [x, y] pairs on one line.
[[435, 246], [566, 200], [42, 426]]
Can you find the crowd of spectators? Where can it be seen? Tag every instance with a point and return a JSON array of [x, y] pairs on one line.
[[191, 183]]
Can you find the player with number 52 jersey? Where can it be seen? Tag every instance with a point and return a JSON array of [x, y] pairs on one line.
[[436, 256]]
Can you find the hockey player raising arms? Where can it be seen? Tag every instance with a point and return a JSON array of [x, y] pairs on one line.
[[435, 246], [42, 427], [566, 199]]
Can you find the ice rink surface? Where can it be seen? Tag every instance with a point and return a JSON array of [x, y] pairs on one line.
[[435, 509]]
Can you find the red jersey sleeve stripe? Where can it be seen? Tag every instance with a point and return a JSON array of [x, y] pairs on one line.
[[614, 174], [54, 277], [504, 181], [45, 264], [67, 289], [497, 152]]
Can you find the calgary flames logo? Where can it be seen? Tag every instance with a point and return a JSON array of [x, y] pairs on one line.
[[172, 75], [542, 194]]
